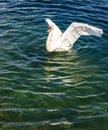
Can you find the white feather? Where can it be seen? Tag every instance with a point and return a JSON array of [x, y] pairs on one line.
[[53, 37], [62, 42]]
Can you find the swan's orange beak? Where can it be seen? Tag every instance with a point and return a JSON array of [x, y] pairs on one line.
[[49, 29]]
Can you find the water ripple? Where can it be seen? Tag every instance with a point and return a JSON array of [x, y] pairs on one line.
[[41, 90]]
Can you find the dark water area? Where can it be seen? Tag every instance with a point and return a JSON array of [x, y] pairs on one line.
[[52, 91]]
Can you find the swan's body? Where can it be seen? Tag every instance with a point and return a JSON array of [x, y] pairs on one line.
[[58, 41]]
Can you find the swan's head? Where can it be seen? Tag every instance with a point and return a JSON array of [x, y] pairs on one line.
[[50, 24], [52, 27]]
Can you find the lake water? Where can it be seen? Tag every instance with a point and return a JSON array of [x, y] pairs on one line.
[[52, 91]]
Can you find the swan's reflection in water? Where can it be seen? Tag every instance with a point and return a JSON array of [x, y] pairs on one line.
[[61, 67]]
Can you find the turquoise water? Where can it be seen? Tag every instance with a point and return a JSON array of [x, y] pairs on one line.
[[52, 91]]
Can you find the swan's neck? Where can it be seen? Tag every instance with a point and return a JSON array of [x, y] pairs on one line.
[[48, 42], [53, 37]]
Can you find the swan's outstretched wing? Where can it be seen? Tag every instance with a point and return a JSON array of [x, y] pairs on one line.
[[75, 30]]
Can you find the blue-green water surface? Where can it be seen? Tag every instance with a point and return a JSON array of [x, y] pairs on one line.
[[52, 91]]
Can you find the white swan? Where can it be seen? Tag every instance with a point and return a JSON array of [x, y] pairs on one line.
[[58, 41]]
